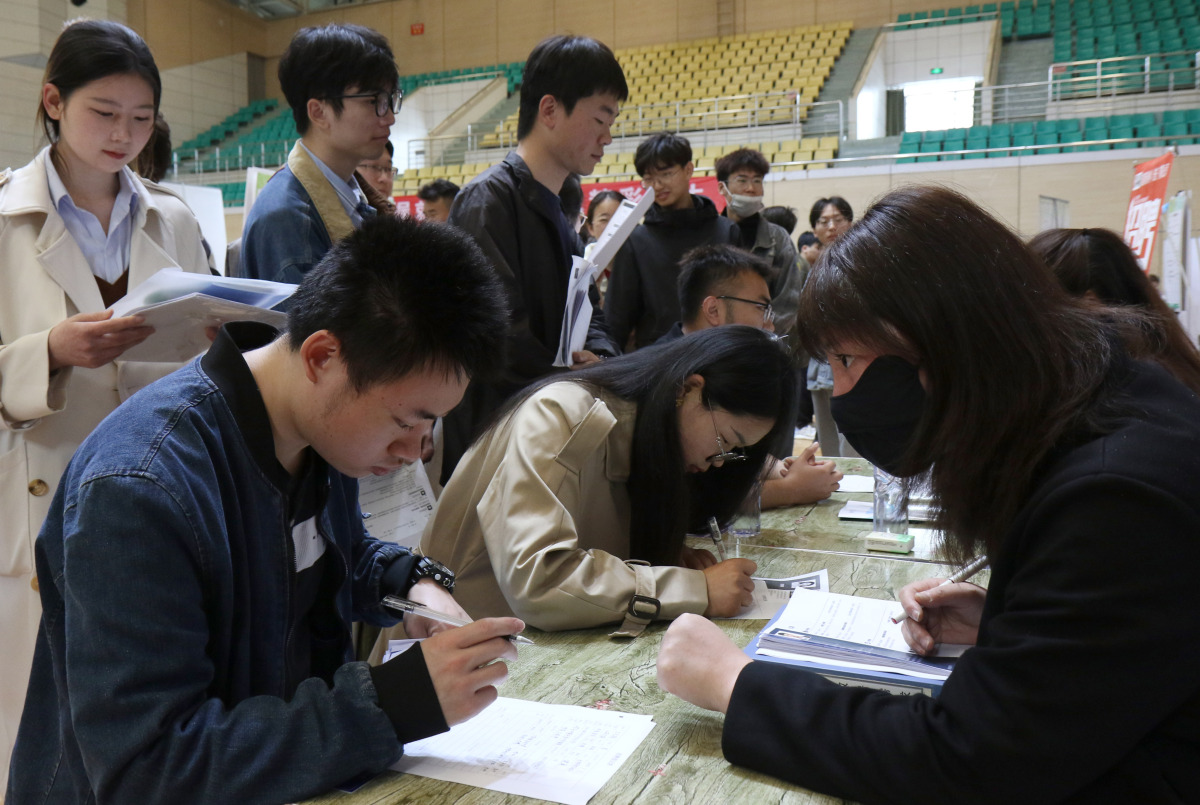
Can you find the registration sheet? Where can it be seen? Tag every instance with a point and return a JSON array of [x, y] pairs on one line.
[[556, 752], [772, 595], [396, 506]]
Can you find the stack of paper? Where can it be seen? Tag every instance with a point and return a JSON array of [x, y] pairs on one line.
[[182, 306], [865, 510], [850, 639]]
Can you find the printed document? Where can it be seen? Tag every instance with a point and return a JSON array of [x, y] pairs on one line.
[[554, 752], [772, 595], [181, 306], [396, 506], [578, 313]]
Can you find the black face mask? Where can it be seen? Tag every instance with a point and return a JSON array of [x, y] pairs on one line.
[[879, 415]]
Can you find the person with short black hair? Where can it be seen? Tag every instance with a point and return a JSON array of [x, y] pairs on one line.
[[571, 93], [783, 217], [720, 285], [830, 218], [740, 177], [205, 554], [436, 199], [380, 173], [341, 82], [642, 302]]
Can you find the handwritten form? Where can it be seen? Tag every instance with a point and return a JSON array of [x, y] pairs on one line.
[[554, 752]]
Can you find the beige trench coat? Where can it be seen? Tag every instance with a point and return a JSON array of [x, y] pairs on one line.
[[44, 278], [535, 520]]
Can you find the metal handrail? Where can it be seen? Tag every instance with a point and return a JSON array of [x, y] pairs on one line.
[[1056, 81], [933, 22], [636, 122]]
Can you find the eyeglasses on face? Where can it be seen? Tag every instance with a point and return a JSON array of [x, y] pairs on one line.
[[379, 170], [384, 102], [723, 455], [660, 177], [767, 311], [743, 182], [834, 220]]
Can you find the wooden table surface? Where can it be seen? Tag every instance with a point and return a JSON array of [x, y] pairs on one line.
[[680, 761]]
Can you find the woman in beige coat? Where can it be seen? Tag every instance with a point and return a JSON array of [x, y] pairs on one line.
[[571, 510], [60, 371]]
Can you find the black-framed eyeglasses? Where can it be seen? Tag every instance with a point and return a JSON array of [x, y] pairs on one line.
[[722, 455], [767, 311], [384, 102], [379, 170]]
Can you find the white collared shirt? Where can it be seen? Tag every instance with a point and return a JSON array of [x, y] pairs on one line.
[[106, 253]]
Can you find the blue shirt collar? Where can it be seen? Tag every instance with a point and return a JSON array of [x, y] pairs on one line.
[[349, 193]]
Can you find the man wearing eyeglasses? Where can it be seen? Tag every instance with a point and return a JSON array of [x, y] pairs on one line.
[[380, 173], [642, 301], [740, 177], [341, 84], [721, 285]]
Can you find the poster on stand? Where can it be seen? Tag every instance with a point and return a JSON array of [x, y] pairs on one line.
[[1145, 205]]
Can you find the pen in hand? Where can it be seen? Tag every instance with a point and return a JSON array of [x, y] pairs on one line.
[[965, 573], [714, 531], [412, 607]]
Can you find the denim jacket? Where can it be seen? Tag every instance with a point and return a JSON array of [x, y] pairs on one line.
[[296, 219], [159, 673]]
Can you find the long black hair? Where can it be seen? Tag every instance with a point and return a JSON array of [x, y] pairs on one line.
[[746, 372], [1099, 262], [88, 50], [1014, 366]]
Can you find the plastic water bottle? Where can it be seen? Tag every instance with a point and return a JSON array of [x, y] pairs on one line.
[[890, 514]]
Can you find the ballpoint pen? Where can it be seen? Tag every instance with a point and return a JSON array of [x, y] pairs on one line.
[[412, 607], [714, 531], [965, 573]]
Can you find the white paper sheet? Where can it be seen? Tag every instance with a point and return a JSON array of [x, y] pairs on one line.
[[771, 595], [181, 306], [857, 483], [555, 752], [400, 503], [578, 313], [865, 510]]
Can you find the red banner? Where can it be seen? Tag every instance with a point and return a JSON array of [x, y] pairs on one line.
[[701, 185], [1145, 205]]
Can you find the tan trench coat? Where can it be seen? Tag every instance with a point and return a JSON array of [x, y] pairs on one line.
[[44, 278], [535, 520]]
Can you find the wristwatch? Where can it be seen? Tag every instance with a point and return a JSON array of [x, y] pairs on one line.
[[427, 568]]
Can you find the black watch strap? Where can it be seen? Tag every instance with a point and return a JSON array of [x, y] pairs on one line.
[[433, 570]]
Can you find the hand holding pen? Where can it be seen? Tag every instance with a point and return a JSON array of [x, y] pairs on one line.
[[942, 611], [403, 605]]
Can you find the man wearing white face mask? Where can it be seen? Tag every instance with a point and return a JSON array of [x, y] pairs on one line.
[[740, 179]]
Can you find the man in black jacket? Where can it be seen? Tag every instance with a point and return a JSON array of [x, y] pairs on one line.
[[571, 94], [642, 297]]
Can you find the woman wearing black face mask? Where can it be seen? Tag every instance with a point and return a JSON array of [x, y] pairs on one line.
[[1051, 446]]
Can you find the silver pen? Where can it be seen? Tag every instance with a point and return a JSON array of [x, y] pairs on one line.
[[412, 607], [714, 531], [965, 573]]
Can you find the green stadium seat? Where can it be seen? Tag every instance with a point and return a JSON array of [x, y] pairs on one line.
[[1047, 138]]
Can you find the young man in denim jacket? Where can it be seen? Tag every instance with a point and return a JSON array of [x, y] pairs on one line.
[[204, 557]]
